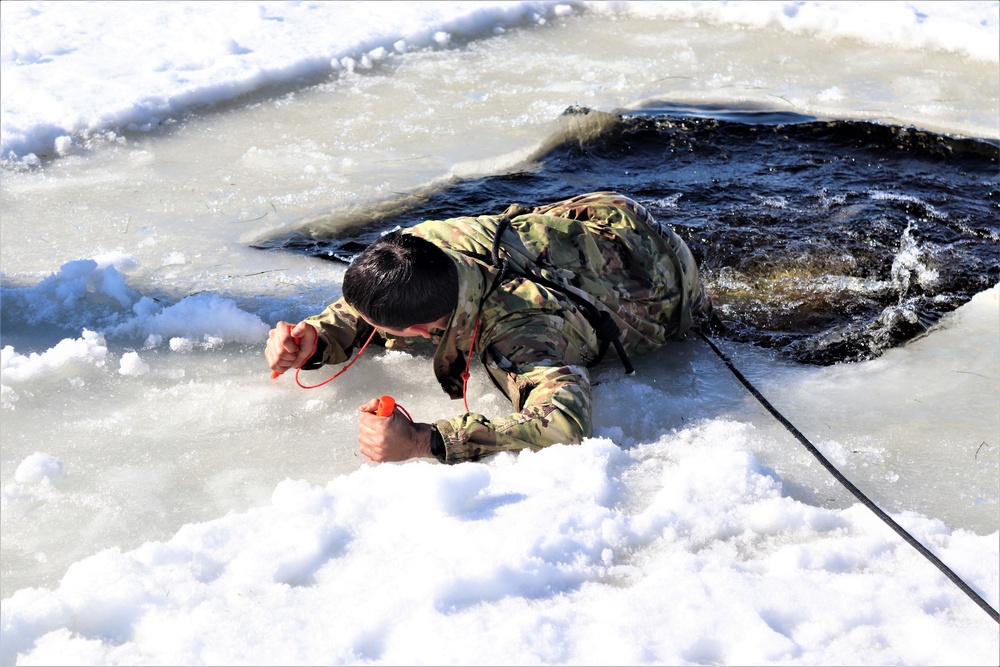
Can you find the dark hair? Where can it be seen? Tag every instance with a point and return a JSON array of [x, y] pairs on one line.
[[402, 280]]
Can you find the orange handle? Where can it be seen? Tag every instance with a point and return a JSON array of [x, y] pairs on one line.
[[277, 374], [386, 406]]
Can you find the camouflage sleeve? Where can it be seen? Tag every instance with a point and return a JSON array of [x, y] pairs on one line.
[[549, 386], [557, 410], [339, 328]]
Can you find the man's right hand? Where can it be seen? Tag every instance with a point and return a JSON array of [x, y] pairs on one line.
[[289, 345]]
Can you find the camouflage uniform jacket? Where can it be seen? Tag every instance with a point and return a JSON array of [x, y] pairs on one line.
[[534, 341]]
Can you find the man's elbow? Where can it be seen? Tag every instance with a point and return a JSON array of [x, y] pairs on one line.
[[566, 426]]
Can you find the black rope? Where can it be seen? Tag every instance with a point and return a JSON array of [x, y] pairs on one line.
[[850, 487]]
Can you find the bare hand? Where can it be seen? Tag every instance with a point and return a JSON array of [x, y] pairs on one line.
[[394, 438], [289, 346]]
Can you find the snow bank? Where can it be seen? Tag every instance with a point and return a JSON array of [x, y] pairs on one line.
[[705, 562]]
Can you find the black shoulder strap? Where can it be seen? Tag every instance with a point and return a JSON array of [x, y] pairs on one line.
[[602, 322], [499, 263]]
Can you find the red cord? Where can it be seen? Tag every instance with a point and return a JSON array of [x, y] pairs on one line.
[[465, 375], [468, 363], [340, 372]]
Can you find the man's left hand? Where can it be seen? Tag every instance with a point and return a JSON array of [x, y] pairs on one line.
[[393, 438]]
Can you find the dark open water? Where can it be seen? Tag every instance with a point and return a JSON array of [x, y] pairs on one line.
[[829, 241]]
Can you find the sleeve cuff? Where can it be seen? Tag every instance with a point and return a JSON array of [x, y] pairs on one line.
[[438, 450], [317, 359]]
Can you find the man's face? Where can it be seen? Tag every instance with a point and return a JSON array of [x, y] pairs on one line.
[[415, 331]]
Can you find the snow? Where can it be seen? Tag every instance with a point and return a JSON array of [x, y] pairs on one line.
[[37, 467], [707, 561], [72, 71]]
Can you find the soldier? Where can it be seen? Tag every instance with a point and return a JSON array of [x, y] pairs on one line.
[[536, 295]]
